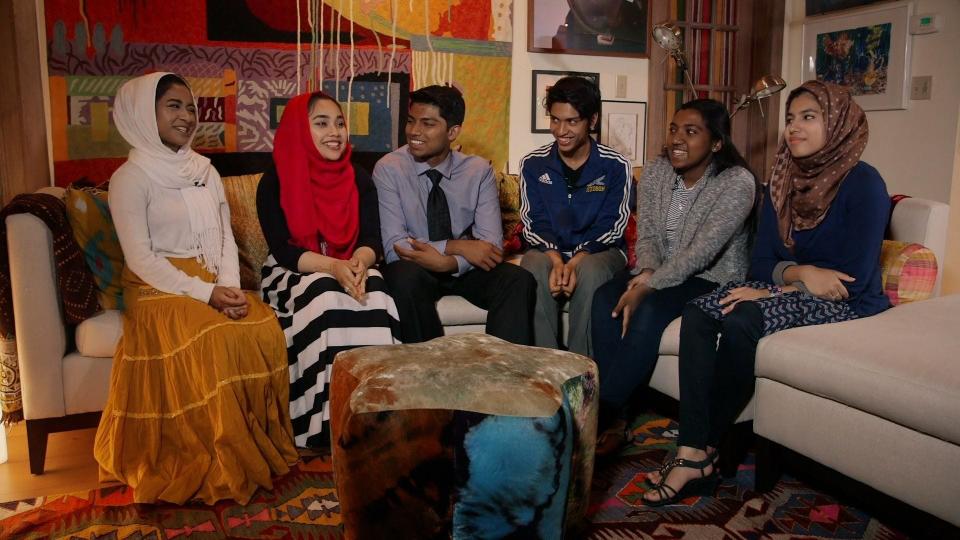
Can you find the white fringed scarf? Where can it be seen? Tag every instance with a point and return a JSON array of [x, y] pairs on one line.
[[134, 113]]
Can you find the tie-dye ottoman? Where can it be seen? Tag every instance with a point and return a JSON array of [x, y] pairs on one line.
[[465, 436]]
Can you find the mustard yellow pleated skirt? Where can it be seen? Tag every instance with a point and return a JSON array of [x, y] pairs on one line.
[[198, 405]]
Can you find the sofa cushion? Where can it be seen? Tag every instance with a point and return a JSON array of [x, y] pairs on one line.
[[909, 271], [241, 192], [670, 339], [900, 365], [98, 336], [89, 217], [456, 310]]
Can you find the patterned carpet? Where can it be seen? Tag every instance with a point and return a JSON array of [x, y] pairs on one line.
[[303, 504]]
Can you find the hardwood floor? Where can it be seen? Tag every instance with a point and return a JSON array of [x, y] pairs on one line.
[[70, 465]]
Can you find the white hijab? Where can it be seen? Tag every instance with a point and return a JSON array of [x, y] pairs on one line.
[[135, 115]]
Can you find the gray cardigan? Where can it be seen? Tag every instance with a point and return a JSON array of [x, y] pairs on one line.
[[714, 240]]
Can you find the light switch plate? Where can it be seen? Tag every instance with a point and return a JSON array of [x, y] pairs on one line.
[[621, 86], [921, 87]]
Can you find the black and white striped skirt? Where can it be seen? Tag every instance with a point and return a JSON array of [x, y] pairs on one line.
[[319, 320]]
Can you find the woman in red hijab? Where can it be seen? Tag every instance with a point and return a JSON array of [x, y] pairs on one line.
[[320, 217]]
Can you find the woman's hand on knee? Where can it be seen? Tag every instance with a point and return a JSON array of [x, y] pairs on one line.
[[629, 302], [741, 294]]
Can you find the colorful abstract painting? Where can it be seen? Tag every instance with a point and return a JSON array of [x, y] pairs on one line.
[[857, 58], [244, 60]]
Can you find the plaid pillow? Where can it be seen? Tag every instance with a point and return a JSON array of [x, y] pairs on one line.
[[908, 271]]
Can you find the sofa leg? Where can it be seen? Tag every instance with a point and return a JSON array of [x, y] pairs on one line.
[[39, 429], [734, 447], [769, 465], [37, 445]]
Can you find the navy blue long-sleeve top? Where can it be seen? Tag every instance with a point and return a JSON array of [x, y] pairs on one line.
[[848, 239]]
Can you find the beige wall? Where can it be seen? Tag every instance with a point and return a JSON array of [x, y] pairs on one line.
[[951, 274], [521, 140]]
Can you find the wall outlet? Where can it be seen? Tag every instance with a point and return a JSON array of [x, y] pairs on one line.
[[621, 86], [921, 87]]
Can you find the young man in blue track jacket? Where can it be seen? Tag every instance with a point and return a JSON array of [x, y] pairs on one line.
[[574, 209]]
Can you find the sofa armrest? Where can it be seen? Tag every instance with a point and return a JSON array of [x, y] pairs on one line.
[[41, 335], [924, 222]]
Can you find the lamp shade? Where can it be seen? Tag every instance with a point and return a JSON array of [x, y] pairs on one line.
[[766, 86], [668, 36]]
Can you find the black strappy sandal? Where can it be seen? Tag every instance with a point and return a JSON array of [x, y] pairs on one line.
[[705, 485]]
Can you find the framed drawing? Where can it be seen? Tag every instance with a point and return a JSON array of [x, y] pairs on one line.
[[867, 50], [593, 27], [542, 80], [623, 126]]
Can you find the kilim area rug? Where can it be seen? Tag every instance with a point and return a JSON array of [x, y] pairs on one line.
[[303, 504]]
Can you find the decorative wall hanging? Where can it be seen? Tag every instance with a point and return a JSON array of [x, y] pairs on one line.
[[243, 60]]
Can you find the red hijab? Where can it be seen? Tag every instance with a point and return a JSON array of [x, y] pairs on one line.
[[319, 197]]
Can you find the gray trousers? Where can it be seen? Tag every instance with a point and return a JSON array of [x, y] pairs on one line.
[[595, 270]]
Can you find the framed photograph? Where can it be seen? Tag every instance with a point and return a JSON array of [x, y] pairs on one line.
[[819, 7], [593, 27], [866, 50], [623, 125], [542, 80]]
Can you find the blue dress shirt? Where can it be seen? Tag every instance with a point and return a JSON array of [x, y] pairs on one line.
[[403, 188]]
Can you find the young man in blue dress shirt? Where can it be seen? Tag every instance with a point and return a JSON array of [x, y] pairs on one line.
[[441, 227]]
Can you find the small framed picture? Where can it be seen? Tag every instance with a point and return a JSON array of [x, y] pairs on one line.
[[623, 127], [542, 81]]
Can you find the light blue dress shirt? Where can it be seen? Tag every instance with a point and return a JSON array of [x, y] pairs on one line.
[[471, 191]]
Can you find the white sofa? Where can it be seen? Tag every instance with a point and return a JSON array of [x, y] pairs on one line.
[[911, 407]]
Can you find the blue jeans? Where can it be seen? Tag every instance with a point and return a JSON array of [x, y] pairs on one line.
[[627, 363]]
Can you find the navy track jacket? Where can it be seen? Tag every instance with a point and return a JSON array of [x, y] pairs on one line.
[[591, 217]]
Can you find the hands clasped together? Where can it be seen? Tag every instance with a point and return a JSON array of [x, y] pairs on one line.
[[231, 301], [480, 253]]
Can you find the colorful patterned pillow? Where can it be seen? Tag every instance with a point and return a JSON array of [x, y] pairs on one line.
[[241, 192], [908, 271], [89, 217], [508, 185]]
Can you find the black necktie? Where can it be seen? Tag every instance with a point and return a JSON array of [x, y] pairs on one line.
[[438, 213]]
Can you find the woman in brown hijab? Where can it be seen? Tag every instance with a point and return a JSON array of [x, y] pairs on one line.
[[815, 261]]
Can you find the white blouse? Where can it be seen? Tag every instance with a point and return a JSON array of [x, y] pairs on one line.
[[152, 223]]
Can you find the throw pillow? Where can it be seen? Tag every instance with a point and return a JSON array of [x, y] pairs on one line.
[[508, 185], [908, 271], [241, 192], [89, 217]]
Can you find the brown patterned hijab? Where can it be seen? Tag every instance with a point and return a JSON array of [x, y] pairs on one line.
[[802, 189]]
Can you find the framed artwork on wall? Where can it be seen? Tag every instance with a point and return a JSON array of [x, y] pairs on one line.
[[592, 27], [866, 50], [623, 127], [543, 80], [819, 7]]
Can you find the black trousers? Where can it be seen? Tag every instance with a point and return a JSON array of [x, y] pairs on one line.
[[507, 292], [716, 375], [625, 364]]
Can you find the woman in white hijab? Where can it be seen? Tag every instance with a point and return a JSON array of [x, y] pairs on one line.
[[198, 405]]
